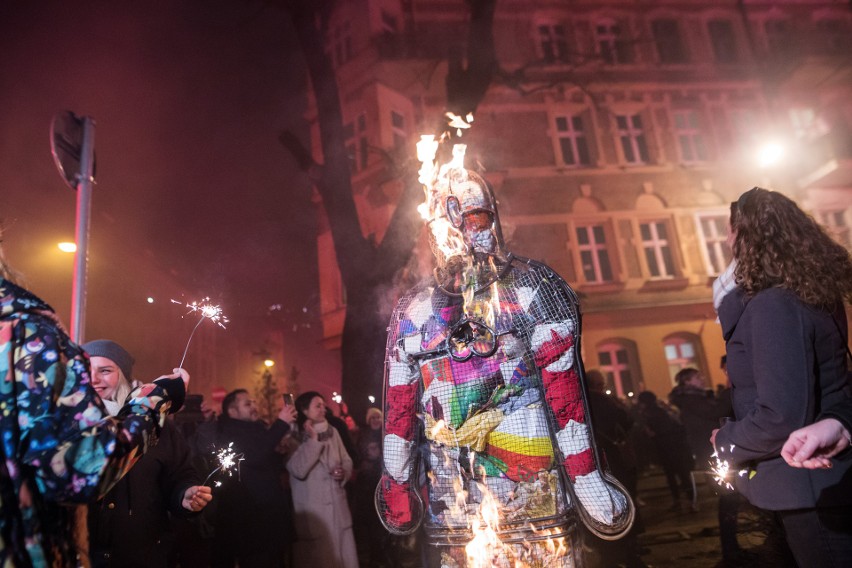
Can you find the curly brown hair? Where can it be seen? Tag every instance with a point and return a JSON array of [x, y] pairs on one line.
[[779, 245]]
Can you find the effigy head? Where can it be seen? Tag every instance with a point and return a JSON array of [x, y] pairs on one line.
[[460, 212]]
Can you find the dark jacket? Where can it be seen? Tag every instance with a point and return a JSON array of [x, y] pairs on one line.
[[252, 513], [129, 526], [787, 362], [699, 413], [841, 412], [612, 424]]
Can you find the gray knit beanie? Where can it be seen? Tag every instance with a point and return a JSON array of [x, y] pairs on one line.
[[112, 351]]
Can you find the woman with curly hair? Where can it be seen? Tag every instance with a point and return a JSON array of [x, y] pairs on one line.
[[786, 335]]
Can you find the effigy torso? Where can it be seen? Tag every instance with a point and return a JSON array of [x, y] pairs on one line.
[[490, 382]]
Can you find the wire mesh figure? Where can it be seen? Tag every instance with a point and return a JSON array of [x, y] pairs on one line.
[[484, 400]]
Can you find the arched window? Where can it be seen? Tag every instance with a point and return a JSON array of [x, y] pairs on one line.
[[683, 350], [619, 363]]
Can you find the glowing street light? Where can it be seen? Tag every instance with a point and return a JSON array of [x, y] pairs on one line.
[[770, 154], [67, 247], [268, 363]]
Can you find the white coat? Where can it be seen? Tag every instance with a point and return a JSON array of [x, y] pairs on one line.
[[322, 519]]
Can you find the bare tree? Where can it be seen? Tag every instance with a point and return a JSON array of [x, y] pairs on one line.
[[368, 268]]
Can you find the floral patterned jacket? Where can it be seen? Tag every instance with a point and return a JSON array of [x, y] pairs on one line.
[[59, 445]]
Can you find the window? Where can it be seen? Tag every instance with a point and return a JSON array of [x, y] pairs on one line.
[[340, 44], [834, 220], [806, 126], [682, 350], [594, 256], [832, 36], [612, 44], [657, 249], [722, 39], [670, 48], [618, 362], [632, 137], [357, 147], [689, 137], [398, 128], [554, 46], [573, 147], [778, 38], [714, 233]]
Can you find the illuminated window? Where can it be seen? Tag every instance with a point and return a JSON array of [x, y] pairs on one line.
[[619, 363], [713, 228], [689, 137], [574, 149], [632, 137], [552, 42], [683, 350], [835, 222], [657, 249], [594, 255]]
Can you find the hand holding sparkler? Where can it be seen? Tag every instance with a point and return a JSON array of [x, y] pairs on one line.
[[177, 373], [195, 498]]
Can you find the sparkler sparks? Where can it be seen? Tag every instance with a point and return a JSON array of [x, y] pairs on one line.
[[721, 469], [207, 311], [228, 462]]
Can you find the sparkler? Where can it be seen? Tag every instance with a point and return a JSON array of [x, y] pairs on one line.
[[207, 311], [228, 460], [721, 469]]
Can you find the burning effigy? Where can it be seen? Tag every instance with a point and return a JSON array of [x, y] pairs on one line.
[[487, 437]]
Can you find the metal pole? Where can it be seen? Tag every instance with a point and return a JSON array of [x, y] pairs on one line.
[[81, 237]]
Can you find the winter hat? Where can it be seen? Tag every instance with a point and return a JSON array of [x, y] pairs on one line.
[[112, 351], [373, 411]]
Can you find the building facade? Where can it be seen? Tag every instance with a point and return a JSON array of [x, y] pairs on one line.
[[615, 134]]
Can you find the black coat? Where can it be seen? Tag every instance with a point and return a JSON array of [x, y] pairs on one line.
[[787, 362], [129, 526], [699, 413], [252, 516]]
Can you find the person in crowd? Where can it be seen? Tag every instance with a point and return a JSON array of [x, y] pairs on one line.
[[672, 449], [371, 537], [786, 334], [129, 526], [319, 469], [700, 413], [612, 423], [813, 446], [60, 446], [251, 516]]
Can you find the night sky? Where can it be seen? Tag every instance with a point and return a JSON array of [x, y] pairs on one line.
[[193, 193]]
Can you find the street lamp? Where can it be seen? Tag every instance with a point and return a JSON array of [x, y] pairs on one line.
[[770, 154], [268, 363], [67, 247]]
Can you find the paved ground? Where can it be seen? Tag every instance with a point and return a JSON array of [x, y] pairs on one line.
[[691, 538]]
